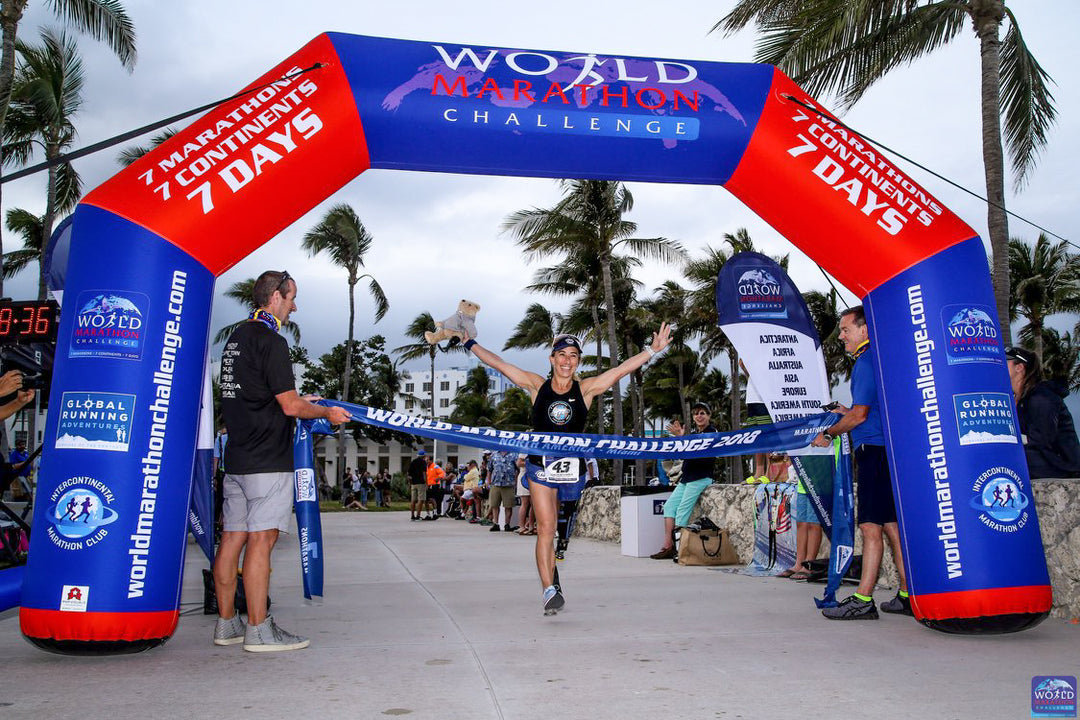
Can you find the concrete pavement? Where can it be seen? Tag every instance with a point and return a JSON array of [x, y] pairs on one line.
[[442, 620]]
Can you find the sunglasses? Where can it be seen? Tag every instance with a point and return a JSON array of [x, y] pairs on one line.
[[283, 284]]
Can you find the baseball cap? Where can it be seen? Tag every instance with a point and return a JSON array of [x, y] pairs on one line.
[[703, 405], [1020, 355], [565, 340], [419, 453]]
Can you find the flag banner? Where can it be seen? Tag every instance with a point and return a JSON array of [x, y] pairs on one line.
[[761, 311], [201, 508], [841, 532], [774, 529], [306, 504], [763, 438]]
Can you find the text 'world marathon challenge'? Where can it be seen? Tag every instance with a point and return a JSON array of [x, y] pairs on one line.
[[926, 387], [159, 416]]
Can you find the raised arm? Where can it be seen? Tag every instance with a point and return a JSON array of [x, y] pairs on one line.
[[591, 387], [528, 381]]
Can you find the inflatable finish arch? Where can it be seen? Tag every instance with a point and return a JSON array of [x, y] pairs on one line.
[[106, 561]]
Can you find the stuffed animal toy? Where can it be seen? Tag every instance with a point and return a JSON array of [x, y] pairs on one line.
[[457, 325]]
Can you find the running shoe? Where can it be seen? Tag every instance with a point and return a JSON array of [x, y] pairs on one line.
[[852, 608], [229, 631], [553, 600], [494, 528], [899, 605], [268, 637], [666, 554]]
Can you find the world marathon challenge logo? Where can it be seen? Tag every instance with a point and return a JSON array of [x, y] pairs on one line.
[[984, 417], [78, 512], [1053, 696], [95, 421], [971, 334], [760, 295], [1000, 501], [109, 324]]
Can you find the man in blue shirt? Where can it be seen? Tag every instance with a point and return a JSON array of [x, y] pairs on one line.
[[876, 508]]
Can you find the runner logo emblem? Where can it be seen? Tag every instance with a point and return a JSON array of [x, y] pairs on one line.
[[760, 295], [971, 334], [559, 412], [1000, 500]]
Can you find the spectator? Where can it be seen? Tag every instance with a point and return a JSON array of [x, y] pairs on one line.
[[502, 487], [757, 413], [697, 474], [876, 510], [434, 478], [382, 488], [525, 514], [417, 485], [470, 498], [1046, 426], [807, 528]]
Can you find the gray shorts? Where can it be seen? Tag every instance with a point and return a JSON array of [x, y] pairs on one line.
[[259, 501]]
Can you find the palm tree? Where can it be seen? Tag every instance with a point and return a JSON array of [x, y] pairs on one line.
[[472, 403], [826, 316], [103, 20], [536, 329], [46, 96], [844, 47], [131, 154], [590, 219], [242, 292], [344, 238], [1047, 281]]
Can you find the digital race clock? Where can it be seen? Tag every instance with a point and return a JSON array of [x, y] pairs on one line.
[[32, 321]]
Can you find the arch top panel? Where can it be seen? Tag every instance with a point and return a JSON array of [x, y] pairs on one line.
[[243, 172]]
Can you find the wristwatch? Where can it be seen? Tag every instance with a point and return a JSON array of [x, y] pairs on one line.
[[828, 435]]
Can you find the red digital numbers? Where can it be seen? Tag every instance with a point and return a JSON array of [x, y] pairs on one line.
[[27, 322]]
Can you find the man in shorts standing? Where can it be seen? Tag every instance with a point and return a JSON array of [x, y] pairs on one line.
[[502, 476], [876, 508], [417, 485], [258, 403]]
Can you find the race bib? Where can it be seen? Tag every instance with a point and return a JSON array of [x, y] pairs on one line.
[[563, 470]]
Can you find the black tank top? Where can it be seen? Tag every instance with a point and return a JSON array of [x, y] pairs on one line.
[[552, 412]]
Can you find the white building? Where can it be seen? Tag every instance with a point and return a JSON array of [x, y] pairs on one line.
[[414, 399]]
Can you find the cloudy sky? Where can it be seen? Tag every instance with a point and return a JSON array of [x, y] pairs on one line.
[[437, 236]]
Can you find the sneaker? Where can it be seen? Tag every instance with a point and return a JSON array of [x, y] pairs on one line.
[[229, 631], [494, 528], [750, 480], [473, 521], [898, 606], [665, 554], [414, 517], [428, 517], [507, 527], [852, 608], [460, 517], [268, 637], [553, 600], [485, 521]]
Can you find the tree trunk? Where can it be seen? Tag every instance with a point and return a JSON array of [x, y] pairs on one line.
[[613, 361], [10, 14], [736, 411], [598, 331], [637, 410], [345, 381], [987, 16]]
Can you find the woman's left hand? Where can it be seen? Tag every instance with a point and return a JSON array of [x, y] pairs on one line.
[[661, 338]]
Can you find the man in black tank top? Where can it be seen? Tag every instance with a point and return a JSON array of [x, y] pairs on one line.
[[560, 404]]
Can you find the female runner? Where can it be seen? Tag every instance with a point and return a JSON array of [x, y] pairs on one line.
[[560, 404]]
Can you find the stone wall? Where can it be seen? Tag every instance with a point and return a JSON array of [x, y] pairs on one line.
[[732, 507]]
